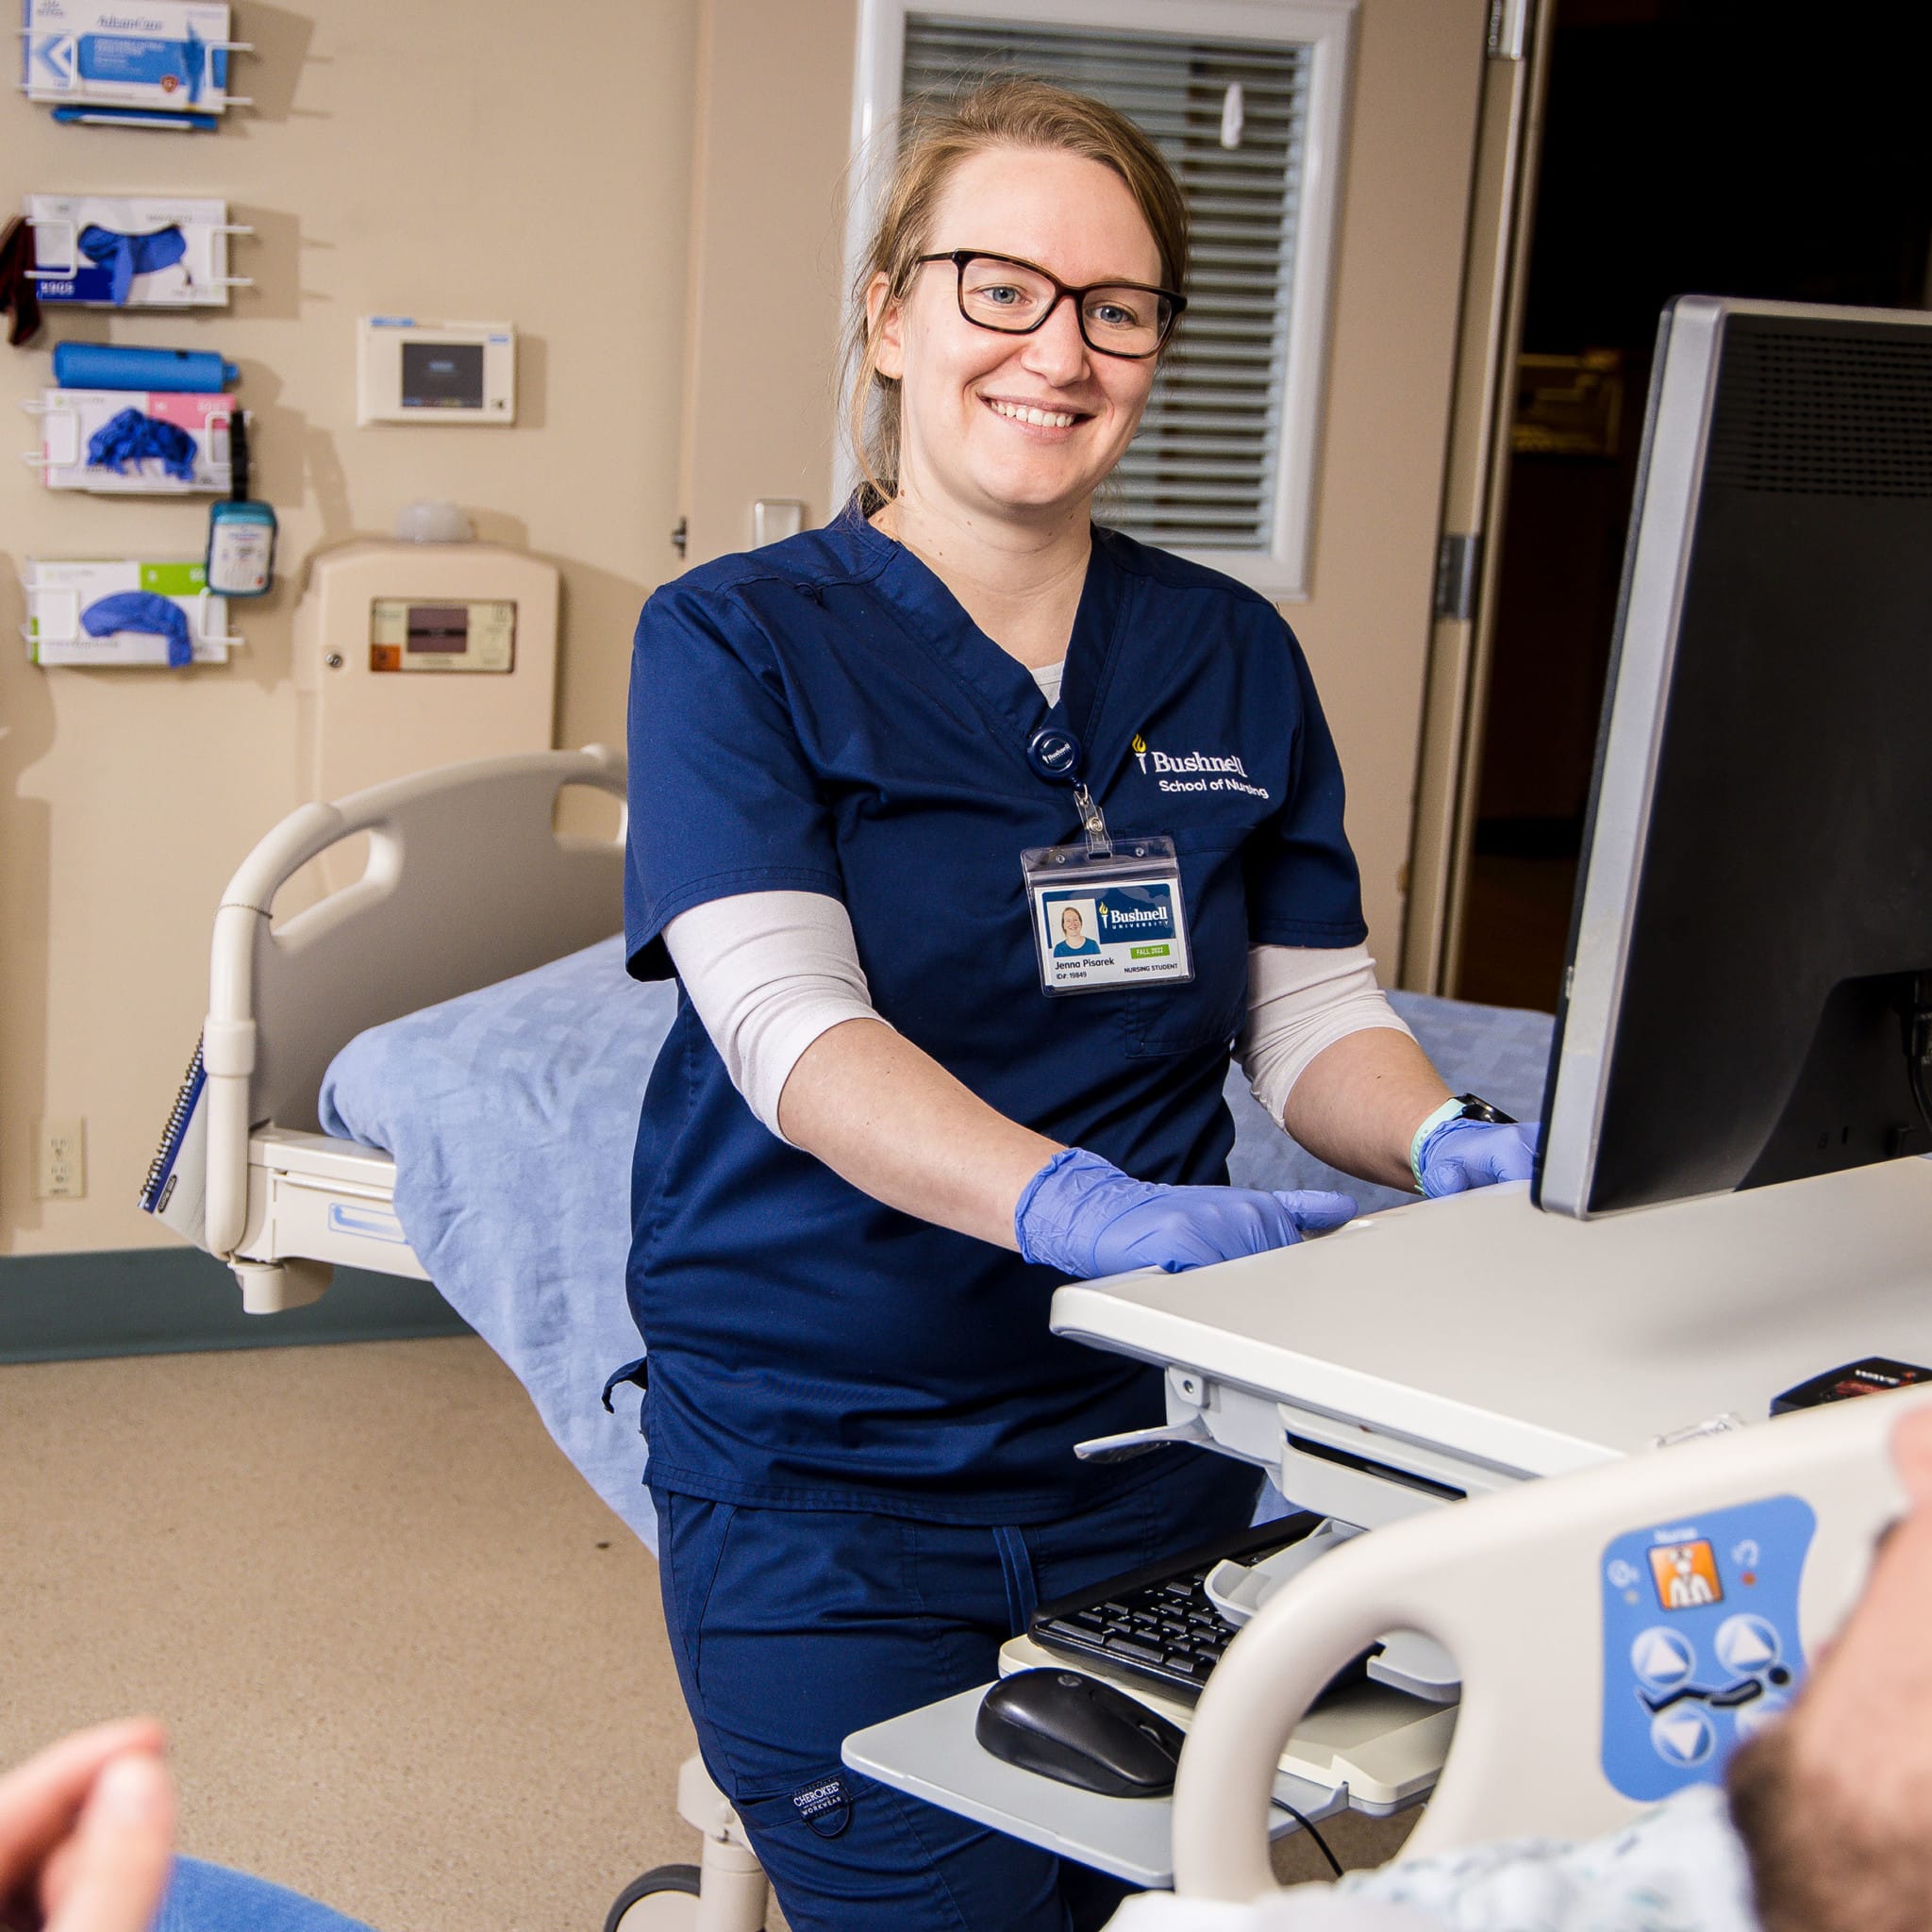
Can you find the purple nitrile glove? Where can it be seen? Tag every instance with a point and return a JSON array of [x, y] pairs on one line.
[[1082, 1215], [1458, 1154]]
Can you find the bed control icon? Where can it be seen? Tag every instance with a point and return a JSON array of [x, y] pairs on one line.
[[1747, 1646], [1683, 1735], [1662, 1659]]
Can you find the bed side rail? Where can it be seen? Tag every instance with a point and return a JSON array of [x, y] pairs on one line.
[[466, 883], [1520, 1588]]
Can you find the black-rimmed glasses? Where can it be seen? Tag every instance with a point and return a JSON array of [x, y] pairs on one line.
[[1015, 297]]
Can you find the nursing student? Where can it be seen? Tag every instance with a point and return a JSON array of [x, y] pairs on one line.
[[876, 1142], [1074, 943]]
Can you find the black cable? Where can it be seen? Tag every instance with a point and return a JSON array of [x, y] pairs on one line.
[[237, 457], [1916, 1073], [1918, 1031], [1321, 1843]]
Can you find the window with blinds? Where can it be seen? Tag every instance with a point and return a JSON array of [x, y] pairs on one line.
[[1222, 466]]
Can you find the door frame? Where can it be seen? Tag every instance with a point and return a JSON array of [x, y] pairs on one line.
[[1474, 489]]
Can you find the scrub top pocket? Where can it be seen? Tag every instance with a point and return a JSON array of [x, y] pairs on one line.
[[1208, 1011]]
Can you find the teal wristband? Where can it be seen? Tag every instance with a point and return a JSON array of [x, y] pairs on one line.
[[1449, 1110]]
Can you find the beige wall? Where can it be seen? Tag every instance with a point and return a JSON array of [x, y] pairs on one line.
[[442, 157], [774, 110], [432, 158]]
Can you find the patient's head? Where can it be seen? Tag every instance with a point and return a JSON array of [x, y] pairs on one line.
[[1835, 1803]]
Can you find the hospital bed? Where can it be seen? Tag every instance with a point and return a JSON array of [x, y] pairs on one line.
[[1558, 1600], [466, 884], [1595, 1682], [435, 1073]]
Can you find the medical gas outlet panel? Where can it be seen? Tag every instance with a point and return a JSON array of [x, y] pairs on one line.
[[410, 654], [478, 635]]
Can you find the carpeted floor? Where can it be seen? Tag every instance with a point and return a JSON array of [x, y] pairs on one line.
[[411, 1665]]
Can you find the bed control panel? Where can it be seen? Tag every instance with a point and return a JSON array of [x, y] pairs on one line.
[[1701, 1642]]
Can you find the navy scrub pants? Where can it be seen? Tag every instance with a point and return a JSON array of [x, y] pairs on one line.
[[793, 1627]]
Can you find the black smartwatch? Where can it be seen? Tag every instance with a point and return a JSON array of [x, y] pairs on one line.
[[1465, 1106]]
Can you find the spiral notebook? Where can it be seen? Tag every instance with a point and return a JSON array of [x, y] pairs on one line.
[[176, 1187]]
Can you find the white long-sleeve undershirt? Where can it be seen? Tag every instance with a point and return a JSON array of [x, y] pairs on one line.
[[1301, 1001], [769, 971]]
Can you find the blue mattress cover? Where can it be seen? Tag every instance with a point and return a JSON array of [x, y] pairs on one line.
[[511, 1112]]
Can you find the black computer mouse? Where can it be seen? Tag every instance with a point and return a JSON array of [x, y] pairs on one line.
[[1079, 1731]]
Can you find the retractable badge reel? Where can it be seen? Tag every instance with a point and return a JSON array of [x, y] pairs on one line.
[[1106, 912]]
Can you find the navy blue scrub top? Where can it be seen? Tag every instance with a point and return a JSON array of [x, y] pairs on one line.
[[821, 715]]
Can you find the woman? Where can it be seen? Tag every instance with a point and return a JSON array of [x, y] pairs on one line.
[[873, 1143], [1072, 943]]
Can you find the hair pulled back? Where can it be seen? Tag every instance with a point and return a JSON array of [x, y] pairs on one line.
[[936, 133]]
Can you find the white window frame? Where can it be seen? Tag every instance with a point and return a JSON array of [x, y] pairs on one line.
[[1326, 27]]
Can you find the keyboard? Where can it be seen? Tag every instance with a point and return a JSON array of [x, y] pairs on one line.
[[1156, 1625]]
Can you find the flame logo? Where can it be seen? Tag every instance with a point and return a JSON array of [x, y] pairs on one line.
[[1139, 742]]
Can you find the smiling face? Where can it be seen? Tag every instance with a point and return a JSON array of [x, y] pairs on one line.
[[1009, 426], [1070, 923]]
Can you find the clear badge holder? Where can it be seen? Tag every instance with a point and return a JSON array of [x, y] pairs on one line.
[[1106, 913]]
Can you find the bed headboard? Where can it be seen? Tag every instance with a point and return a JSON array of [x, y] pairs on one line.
[[1537, 1592], [467, 883]]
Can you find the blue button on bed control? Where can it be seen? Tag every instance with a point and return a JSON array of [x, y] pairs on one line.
[[1054, 753], [1662, 1659], [1682, 1735], [1746, 1645]]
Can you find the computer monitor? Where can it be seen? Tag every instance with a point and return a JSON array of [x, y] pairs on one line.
[[1753, 923]]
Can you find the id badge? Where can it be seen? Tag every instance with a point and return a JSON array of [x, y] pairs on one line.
[[1107, 921]]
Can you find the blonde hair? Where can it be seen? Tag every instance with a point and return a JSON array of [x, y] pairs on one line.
[[936, 134]]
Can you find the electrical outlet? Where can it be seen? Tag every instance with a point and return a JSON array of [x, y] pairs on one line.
[[60, 1163]]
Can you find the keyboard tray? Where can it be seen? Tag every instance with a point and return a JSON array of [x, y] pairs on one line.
[[1157, 1627], [1383, 1746]]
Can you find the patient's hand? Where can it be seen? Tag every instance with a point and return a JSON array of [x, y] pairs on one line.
[[87, 1831]]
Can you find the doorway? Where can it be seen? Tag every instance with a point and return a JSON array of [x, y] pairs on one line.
[[1705, 147]]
